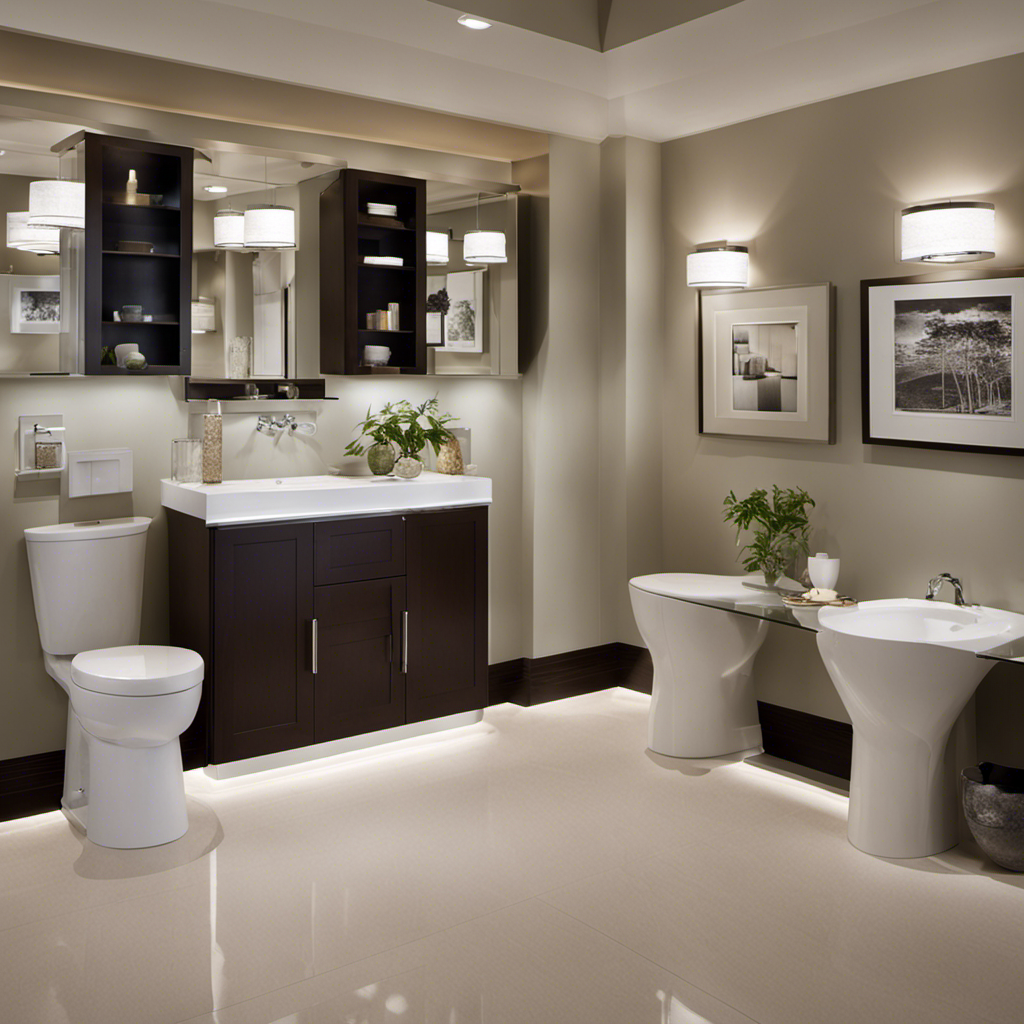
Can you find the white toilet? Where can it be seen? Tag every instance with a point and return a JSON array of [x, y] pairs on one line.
[[128, 703], [703, 702]]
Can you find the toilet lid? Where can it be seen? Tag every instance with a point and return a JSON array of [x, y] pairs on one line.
[[137, 671]]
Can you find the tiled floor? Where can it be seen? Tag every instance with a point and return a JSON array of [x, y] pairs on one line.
[[538, 868]]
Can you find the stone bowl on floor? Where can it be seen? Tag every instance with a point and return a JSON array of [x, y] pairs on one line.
[[993, 797]]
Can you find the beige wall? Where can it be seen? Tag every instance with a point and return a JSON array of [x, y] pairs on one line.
[[817, 190], [631, 359], [561, 448]]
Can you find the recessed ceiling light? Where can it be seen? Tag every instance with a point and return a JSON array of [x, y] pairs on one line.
[[215, 188], [469, 21]]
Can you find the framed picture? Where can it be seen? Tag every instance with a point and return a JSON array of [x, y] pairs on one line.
[[464, 321], [765, 363], [943, 361], [35, 304]]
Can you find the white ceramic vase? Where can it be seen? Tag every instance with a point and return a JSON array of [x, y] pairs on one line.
[[824, 571]]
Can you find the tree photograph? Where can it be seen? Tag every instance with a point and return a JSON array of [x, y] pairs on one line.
[[954, 356]]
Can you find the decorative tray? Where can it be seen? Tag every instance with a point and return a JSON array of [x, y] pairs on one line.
[[805, 602]]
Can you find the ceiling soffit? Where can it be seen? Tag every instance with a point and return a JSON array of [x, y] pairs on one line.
[[596, 24]]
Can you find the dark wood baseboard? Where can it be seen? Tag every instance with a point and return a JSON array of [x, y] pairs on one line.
[[31, 784], [815, 742], [529, 681], [809, 740]]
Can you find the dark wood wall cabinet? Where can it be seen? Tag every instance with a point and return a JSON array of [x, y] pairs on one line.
[[352, 289], [137, 251], [319, 630]]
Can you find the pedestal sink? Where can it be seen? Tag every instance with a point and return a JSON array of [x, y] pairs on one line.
[[905, 669]]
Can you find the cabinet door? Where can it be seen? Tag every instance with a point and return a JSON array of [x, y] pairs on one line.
[[360, 686], [359, 549], [446, 557], [263, 613]]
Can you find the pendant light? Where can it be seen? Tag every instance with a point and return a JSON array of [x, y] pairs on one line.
[[481, 247], [56, 203], [437, 248], [229, 229], [718, 266], [44, 241], [267, 225], [957, 232]]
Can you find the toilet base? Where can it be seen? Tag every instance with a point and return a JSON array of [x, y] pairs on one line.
[[136, 795]]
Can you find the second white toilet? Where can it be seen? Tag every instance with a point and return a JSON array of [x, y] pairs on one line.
[[703, 702]]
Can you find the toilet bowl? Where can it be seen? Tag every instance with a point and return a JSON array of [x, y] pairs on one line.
[[703, 702], [127, 703]]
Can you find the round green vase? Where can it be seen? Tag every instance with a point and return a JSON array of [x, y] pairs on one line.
[[381, 459]]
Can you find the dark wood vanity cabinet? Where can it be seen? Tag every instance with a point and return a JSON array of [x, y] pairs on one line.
[[315, 631]]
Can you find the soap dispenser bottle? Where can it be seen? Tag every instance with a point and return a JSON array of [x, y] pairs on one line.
[[132, 190], [213, 445]]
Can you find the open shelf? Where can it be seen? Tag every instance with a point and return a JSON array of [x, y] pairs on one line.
[[159, 255], [348, 234], [383, 223], [159, 281]]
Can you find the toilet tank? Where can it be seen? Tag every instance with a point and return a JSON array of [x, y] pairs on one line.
[[87, 583]]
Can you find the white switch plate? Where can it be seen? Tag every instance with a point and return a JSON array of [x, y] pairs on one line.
[[104, 471]]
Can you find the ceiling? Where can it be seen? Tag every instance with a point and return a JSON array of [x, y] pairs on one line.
[[586, 68], [597, 24]]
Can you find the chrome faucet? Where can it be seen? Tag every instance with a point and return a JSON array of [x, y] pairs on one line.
[[269, 425], [935, 585]]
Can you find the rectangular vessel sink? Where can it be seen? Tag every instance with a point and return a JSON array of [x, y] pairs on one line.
[[303, 497]]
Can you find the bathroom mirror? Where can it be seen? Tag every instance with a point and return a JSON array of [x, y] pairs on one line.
[[255, 313], [30, 268], [269, 301], [472, 309]]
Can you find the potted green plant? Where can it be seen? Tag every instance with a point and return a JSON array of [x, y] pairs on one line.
[[780, 528], [405, 427]]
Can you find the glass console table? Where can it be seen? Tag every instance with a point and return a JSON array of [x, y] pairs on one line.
[[768, 605]]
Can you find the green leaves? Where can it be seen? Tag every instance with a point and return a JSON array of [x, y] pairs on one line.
[[400, 424], [782, 526]]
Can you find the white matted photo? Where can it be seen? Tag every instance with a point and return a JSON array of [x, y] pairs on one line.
[[464, 321], [943, 362], [766, 363], [35, 304]]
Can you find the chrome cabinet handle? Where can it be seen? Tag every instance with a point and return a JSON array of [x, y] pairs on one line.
[[405, 641], [316, 646]]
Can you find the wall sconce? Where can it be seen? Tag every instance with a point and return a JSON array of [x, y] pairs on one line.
[[718, 266], [955, 232]]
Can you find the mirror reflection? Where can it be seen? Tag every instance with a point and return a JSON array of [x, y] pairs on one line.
[[30, 290], [256, 312]]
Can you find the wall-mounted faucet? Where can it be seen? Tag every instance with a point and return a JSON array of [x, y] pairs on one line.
[[936, 583], [274, 426]]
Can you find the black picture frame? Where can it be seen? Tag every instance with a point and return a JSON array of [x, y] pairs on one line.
[[941, 277]]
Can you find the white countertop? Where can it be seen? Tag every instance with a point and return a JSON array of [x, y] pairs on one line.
[[304, 497]]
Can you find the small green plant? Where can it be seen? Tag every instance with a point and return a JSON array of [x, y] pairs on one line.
[[409, 427], [783, 528]]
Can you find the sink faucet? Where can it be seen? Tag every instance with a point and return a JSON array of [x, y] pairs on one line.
[[935, 585]]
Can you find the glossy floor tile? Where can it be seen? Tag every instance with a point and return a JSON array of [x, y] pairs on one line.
[[541, 866]]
